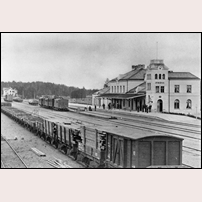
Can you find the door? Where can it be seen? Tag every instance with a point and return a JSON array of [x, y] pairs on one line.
[[144, 154], [159, 105]]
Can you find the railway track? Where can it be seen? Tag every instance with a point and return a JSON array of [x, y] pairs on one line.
[[139, 116], [163, 124], [191, 149], [9, 153], [159, 128]]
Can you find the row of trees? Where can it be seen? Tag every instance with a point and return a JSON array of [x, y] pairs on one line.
[[36, 89]]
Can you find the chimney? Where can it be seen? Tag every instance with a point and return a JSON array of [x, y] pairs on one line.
[[136, 67]]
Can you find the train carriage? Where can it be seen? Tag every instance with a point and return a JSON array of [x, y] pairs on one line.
[[66, 138], [106, 146], [61, 104], [141, 149]]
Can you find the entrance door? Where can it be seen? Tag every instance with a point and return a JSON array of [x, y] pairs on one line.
[[159, 105]]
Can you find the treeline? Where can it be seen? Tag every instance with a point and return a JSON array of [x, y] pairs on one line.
[[36, 89]]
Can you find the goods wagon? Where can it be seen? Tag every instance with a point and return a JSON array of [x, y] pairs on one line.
[[33, 102], [104, 146], [53, 102], [61, 104], [115, 148], [17, 99], [8, 98]]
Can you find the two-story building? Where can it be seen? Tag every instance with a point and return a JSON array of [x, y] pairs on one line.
[[9, 91], [156, 86]]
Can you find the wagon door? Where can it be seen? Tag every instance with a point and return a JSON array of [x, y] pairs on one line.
[[144, 154], [118, 151]]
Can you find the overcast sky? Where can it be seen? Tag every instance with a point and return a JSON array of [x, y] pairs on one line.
[[87, 59]]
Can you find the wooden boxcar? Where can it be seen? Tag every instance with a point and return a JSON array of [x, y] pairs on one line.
[[106, 146], [130, 148], [61, 104], [8, 98]]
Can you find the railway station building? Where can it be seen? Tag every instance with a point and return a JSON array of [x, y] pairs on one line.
[[155, 86]]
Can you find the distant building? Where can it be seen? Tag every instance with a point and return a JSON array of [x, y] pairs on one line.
[[155, 86], [9, 91]]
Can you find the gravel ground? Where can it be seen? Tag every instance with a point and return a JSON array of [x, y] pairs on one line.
[[25, 141]]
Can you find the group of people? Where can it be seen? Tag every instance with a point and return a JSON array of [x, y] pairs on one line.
[[145, 108]]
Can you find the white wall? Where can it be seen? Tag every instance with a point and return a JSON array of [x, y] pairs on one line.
[[183, 96]]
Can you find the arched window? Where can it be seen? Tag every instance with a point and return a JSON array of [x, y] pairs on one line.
[[163, 76], [188, 104], [156, 76], [176, 104], [159, 76], [115, 89], [112, 89]]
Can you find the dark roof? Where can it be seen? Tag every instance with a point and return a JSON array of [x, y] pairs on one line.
[[134, 133], [121, 96], [102, 91], [137, 74], [181, 75], [142, 86]]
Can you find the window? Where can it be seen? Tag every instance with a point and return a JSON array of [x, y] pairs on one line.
[[112, 89], [177, 88], [157, 89], [148, 76], [148, 86], [162, 89], [176, 104], [123, 89], [156, 76], [188, 88], [188, 104], [163, 76], [120, 89], [159, 76], [117, 89]]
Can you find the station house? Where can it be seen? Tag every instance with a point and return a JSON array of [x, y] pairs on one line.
[[154, 86]]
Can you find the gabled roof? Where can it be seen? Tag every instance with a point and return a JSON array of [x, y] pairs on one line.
[[102, 91], [137, 74], [181, 75], [142, 88]]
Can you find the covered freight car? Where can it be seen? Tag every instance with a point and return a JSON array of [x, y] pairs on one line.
[[141, 149], [61, 103], [106, 146]]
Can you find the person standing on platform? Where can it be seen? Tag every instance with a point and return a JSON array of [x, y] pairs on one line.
[[138, 107], [95, 107]]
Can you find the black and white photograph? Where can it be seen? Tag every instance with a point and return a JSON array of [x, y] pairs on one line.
[[101, 100]]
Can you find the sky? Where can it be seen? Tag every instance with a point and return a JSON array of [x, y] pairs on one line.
[[88, 59]]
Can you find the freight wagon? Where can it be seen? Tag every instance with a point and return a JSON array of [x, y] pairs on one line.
[[104, 146], [17, 99], [8, 98], [33, 102], [54, 102]]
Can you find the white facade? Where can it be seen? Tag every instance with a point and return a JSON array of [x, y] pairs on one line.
[[171, 94], [185, 106], [9, 91]]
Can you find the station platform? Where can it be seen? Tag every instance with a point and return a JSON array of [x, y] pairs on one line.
[[156, 115]]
